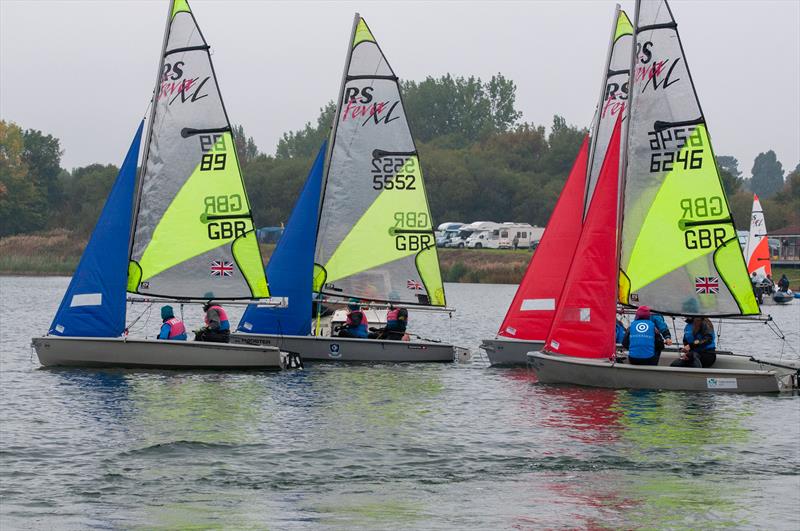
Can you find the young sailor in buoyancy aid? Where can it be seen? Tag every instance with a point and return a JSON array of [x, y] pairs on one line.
[[356, 324], [217, 328], [643, 340], [172, 327], [699, 344], [619, 331], [661, 326], [396, 324]]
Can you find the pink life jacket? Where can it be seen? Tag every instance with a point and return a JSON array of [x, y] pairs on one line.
[[176, 327], [364, 321], [223, 317]]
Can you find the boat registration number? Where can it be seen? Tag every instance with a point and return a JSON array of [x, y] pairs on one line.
[[721, 383]]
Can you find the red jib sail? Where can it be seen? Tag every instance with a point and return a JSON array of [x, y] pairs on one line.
[[584, 322], [531, 312]]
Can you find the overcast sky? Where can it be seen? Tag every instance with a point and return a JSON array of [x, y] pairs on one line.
[[83, 71]]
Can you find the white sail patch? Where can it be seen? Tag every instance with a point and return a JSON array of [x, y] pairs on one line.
[[537, 304], [86, 299]]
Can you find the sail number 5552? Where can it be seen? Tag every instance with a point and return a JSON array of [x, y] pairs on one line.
[[394, 173]]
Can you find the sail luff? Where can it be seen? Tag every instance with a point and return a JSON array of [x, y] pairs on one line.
[[149, 133]]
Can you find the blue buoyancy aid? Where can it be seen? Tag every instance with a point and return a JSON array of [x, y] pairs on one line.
[[642, 339], [357, 327], [688, 338], [661, 325], [619, 332]]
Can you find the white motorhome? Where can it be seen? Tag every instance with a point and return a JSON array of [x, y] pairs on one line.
[[464, 232], [518, 235], [446, 232], [485, 235]]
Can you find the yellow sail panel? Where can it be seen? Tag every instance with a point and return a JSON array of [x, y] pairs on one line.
[[180, 6], [624, 26], [362, 33]]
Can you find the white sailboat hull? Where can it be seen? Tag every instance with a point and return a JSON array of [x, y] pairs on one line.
[[321, 348], [731, 374], [55, 351], [508, 352]]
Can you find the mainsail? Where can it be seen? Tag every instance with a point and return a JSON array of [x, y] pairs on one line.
[[584, 320], [193, 235], [94, 304], [375, 239], [679, 249], [612, 98], [531, 312], [757, 250]]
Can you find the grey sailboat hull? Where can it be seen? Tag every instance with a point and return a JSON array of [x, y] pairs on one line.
[[322, 348], [507, 352], [732, 374], [55, 351]]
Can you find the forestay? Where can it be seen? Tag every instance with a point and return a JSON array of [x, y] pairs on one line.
[[375, 239], [680, 253], [612, 99], [194, 234], [757, 249]]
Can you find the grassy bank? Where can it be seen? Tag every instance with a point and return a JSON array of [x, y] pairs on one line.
[[57, 253]]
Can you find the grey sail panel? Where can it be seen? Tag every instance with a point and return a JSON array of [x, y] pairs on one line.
[[375, 239], [193, 235], [612, 101]]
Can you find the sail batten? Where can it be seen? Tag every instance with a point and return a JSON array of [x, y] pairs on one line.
[[194, 235], [679, 252], [375, 237]]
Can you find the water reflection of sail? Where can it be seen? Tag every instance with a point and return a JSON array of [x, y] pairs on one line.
[[585, 414]]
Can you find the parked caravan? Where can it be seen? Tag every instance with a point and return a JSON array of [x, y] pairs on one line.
[[447, 232]]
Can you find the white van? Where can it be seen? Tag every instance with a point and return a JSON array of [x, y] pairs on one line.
[[485, 235]]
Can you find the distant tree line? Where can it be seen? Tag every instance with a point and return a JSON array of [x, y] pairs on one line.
[[478, 159]]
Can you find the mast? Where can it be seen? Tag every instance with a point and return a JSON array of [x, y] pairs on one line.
[[335, 124], [623, 152], [139, 181], [600, 102]]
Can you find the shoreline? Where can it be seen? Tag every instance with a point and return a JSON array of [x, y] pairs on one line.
[[57, 252]]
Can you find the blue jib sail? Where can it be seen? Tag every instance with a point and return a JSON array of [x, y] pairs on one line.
[[94, 304], [291, 267]]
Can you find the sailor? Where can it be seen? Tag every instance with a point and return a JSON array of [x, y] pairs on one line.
[[699, 344], [661, 326], [396, 323], [217, 328], [620, 331], [172, 327], [643, 341], [759, 293], [356, 324], [783, 283], [767, 285]]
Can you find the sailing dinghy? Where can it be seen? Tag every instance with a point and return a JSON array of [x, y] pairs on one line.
[[678, 251], [531, 313], [365, 200], [757, 254], [183, 233]]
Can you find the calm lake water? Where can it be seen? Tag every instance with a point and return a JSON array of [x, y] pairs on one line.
[[383, 446]]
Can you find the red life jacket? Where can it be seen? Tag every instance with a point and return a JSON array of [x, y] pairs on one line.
[[176, 327], [223, 316]]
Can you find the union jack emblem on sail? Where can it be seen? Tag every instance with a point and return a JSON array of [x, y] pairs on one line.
[[413, 284], [706, 284], [221, 268]]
